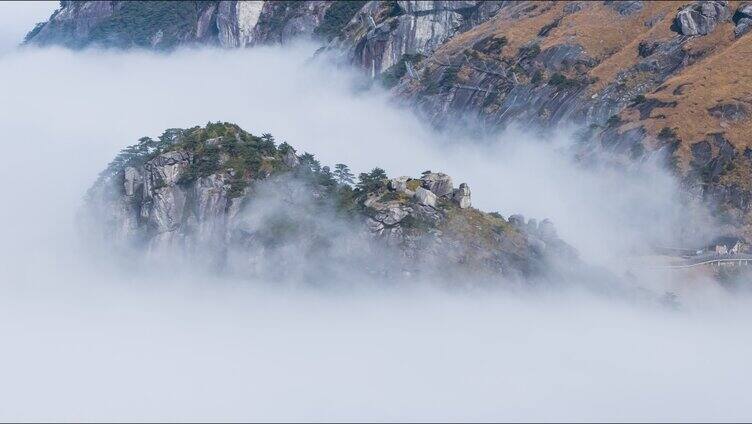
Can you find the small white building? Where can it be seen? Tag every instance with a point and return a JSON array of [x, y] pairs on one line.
[[728, 245]]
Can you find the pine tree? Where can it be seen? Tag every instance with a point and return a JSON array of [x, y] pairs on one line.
[[343, 175], [372, 181]]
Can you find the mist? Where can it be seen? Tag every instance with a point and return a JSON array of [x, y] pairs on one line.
[[88, 339]]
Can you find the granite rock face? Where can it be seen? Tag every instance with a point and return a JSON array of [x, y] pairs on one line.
[[386, 36]]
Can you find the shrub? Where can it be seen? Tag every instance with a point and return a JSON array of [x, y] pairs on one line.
[[336, 18], [391, 76], [372, 181], [562, 81], [667, 133], [613, 121], [529, 51], [537, 77], [491, 44]]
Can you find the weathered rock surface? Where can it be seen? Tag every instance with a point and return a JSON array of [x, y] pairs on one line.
[[743, 19], [386, 36], [438, 183], [701, 18], [425, 197], [743, 27], [461, 196]]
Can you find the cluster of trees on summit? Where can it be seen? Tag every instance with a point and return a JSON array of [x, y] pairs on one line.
[[247, 155]]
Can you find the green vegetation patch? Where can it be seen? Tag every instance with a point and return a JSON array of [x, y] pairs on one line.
[[391, 76], [449, 76], [336, 18], [561, 81], [134, 23]]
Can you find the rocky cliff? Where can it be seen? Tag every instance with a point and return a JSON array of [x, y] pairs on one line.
[[167, 24], [238, 201], [643, 78]]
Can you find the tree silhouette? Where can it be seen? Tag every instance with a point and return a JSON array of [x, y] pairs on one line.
[[343, 175], [372, 181]]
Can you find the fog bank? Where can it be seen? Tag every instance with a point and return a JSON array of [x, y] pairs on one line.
[[145, 351], [100, 102]]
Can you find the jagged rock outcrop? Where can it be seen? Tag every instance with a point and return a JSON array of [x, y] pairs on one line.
[[225, 196], [743, 19], [400, 185], [236, 22], [625, 7], [438, 183], [384, 34], [702, 17], [461, 196]]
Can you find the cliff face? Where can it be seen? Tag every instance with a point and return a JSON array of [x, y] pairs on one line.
[[644, 78], [240, 202], [167, 24]]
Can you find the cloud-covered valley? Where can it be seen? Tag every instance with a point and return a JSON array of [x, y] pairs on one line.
[[86, 338]]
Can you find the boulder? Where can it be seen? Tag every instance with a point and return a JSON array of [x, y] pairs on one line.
[[391, 215], [425, 197], [701, 18], [440, 184], [742, 27], [743, 11], [573, 7], [517, 220], [547, 231], [532, 226], [461, 196], [398, 184], [743, 19]]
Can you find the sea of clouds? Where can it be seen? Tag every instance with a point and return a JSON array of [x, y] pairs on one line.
[[86, 339]]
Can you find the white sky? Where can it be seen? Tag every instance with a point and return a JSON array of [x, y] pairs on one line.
[[18, 18]]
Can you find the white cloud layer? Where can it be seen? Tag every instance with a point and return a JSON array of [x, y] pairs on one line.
[[84, 340]]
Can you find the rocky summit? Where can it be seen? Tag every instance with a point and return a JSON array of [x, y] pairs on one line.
[[241, 201]]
